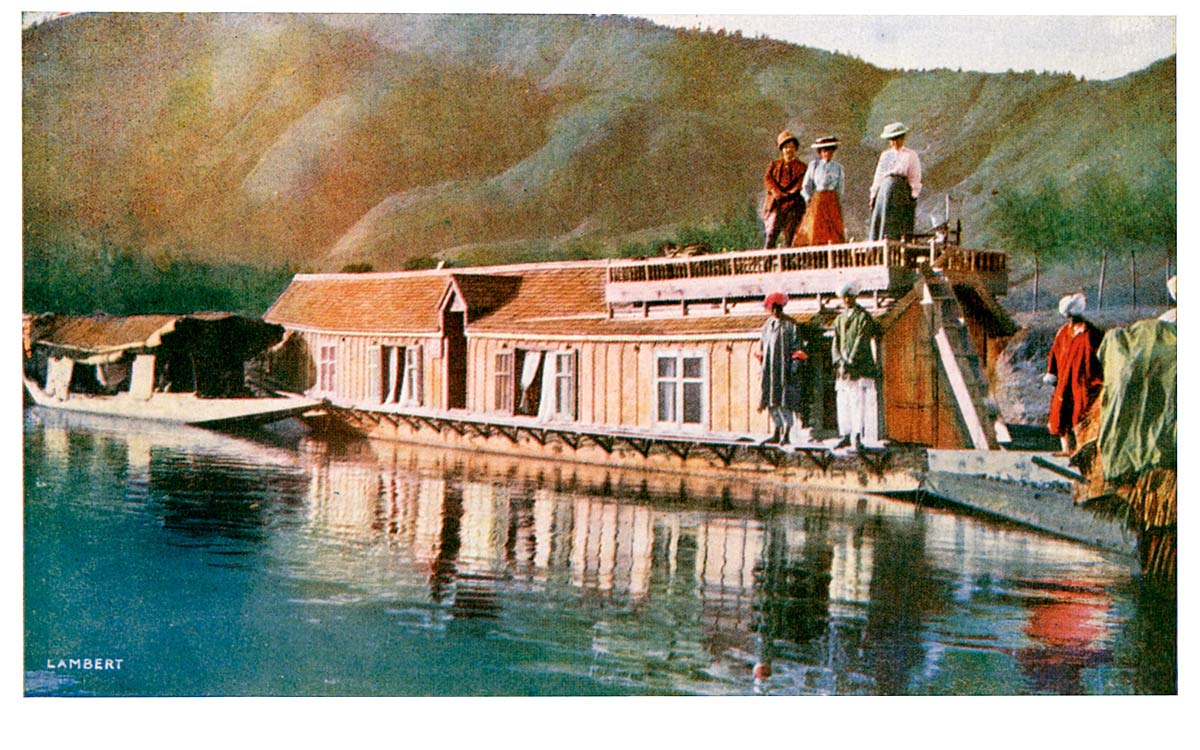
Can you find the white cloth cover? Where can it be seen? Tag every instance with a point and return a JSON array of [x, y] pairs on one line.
[[141, 384], [58, 377]]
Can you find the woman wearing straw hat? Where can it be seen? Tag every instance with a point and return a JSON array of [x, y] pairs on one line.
[[1073, 369], [823, 181], [895, 188], [784, 180]]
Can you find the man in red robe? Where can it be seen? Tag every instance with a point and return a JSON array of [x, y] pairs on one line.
[[784, 181], [1073, 370]]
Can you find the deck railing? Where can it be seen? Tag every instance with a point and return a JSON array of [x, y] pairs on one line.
[[879, 253]]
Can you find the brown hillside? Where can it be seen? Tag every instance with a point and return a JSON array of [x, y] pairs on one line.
[[328, 140]]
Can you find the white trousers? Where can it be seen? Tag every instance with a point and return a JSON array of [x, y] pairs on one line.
[[858, 409]]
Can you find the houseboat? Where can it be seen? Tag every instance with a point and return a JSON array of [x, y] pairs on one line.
[[187, 369], [647, 360]]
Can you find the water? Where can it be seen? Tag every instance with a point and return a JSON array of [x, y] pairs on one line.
[[188, 563]]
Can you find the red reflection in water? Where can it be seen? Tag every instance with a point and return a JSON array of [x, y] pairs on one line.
[[1065, 625]]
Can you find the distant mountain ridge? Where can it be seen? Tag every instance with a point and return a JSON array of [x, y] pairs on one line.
[[323, 141]]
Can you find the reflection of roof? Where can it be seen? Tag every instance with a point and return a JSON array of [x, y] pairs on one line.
[[110, 332]]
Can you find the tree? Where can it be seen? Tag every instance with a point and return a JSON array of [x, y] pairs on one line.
[[1109, 216], [1037, 222]]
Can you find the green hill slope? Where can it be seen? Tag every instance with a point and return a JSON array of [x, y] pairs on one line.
[[322, 141]]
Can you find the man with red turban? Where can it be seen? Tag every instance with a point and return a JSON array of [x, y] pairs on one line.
[[783, 356]]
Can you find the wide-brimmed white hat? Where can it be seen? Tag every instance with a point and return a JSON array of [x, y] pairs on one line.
[[826, 142], [894, 130], [847, 290], [1072, 304]]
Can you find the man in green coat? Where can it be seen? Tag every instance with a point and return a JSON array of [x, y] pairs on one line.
[[856, 358]]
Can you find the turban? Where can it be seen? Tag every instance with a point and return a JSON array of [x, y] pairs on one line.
[[1072, 304], [775, 298]]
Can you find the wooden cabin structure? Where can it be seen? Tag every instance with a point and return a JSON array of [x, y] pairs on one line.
[[652, 349]]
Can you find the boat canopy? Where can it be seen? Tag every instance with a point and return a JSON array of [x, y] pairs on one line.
[[104, 339]]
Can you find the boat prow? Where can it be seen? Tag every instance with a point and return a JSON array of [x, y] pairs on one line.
[[178, 408]]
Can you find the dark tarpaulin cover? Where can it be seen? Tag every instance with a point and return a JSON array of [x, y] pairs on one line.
[[1138, 406]]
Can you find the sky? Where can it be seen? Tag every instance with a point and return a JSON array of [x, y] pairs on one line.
[[1095, 47]]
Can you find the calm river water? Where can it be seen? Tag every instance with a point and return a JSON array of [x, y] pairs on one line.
[[174, 561]]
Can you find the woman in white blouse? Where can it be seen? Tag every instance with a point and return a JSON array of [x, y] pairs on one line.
[[895, 188], [823, 182]]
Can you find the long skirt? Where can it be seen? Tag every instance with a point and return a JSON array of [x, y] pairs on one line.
[[895, 212], [858, 408], [822, 223]]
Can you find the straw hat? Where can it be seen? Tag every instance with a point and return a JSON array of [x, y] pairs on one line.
[[786, 136], [775, 298], [894, 130], [1072, 304], [826, 142]]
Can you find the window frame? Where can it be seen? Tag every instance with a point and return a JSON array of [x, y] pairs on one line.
[[327, 368], [680, 380]]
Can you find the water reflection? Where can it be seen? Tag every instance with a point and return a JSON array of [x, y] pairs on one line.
[[831, 593], [638, 583]]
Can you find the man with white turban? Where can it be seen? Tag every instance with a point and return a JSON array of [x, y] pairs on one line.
[[1073, 369], [856, 357], [1172, 315]]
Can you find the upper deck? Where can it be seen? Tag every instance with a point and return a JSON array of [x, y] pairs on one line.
[[886, 267]]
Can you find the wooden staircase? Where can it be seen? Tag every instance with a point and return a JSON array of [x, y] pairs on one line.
[[960, 362]]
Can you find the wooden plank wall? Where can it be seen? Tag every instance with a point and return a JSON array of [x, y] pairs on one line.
[[918, 405], [616, 381], [350, 379]]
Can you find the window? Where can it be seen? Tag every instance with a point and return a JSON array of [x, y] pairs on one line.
[[390, 375], [680, 386], [505, 383], [374, 385], [327, 357], [564, 385], [529, 395]]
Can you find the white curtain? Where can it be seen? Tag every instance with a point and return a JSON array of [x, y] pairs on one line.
[[393, 370], [549, 371], [529, 368], [410, 382]]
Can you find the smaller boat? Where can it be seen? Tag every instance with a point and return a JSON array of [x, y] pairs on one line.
[[186, 369]]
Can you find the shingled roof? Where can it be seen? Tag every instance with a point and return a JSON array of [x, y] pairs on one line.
[[370, 303], [411, 302], [100, 333]]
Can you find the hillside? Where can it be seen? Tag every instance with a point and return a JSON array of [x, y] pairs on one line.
[[321, 141]]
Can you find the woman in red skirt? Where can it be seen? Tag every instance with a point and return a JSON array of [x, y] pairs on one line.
[[823, 182]]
